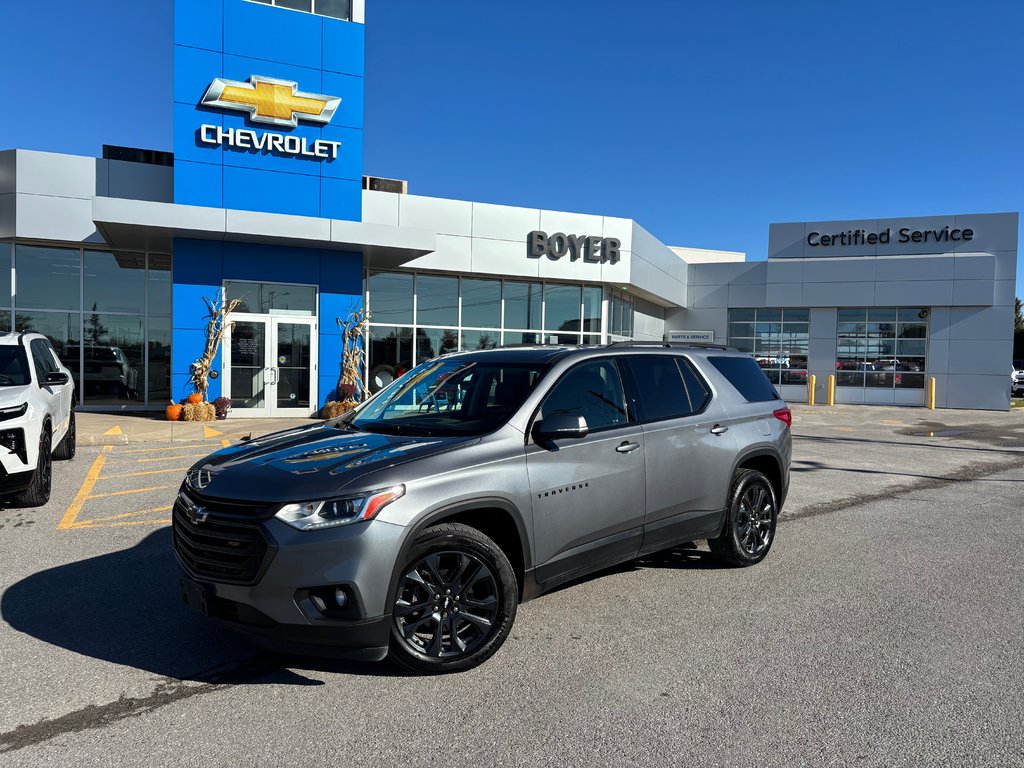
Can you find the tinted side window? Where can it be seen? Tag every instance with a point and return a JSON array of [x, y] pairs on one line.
[[696, 387], [747, 377], [662, 392], [42, 360], [592, 390]]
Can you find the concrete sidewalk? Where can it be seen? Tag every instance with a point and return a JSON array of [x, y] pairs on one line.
[[123, 428]]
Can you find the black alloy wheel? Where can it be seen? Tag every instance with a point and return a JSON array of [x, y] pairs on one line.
[[455, 601], [38, 492], [750, 521]]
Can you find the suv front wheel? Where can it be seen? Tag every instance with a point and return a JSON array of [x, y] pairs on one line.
[[455, 602], [750, 521]]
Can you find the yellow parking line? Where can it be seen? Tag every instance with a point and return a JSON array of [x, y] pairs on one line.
[[68, 521], [140, 474], [226, 443], [126, 514], [84, 525], [125, 493], [182, 444]]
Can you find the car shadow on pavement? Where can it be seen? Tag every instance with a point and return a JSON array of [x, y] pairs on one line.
[[125, 607]]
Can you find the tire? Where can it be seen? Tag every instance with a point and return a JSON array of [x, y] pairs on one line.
[[740, 544], [67, 447], [38, 492], [380, 377], [452, 572]]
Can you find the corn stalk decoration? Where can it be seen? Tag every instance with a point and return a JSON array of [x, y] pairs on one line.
[[353, 332], [218, 310]]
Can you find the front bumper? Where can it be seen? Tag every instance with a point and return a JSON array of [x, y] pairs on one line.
[[276, 611]]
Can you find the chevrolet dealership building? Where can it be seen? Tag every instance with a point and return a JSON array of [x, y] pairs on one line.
[[264, 198]]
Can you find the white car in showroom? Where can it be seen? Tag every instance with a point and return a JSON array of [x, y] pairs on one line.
[[37, 417]]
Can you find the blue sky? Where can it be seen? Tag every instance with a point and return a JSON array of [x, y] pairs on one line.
[[705, 121]]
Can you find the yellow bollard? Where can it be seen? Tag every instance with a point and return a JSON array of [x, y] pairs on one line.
[[811, 380], [931, 393], [831, 389]]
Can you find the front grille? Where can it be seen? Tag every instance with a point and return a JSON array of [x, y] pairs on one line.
[[231, 552]]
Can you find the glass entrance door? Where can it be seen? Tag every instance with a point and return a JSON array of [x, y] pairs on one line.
[[270, 366]]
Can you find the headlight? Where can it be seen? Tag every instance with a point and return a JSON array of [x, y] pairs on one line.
[[14, 412], [314, 515]]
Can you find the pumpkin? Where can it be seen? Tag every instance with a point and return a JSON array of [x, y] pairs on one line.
[[173, 412], [194, 398]]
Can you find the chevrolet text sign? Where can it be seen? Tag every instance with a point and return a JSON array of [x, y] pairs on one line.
[[272, 102]]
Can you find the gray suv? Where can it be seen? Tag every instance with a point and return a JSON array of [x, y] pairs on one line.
[[414, 526]]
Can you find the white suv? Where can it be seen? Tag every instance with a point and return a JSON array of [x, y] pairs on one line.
[[37, 416], [1017, 379]]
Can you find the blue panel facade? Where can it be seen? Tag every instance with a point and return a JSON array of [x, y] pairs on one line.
[[236, 39], [202, 266]]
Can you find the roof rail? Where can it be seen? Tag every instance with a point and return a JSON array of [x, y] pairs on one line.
[[673, 345]]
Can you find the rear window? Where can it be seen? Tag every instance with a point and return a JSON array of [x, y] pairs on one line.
[[668, 387], [746, 375]]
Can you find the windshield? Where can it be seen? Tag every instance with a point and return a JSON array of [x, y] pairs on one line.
[[451, 397], [13, 366]]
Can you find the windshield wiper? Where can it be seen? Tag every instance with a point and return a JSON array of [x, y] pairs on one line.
[[386, 428]]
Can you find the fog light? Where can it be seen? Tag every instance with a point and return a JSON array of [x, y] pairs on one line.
[[340, 597]]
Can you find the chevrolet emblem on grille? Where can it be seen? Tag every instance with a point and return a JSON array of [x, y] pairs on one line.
[[197, 515]]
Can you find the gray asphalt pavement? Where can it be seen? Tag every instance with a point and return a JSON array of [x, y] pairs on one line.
[[885, 628]]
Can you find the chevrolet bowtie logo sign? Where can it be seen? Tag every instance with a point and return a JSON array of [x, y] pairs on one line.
[[271, 101]]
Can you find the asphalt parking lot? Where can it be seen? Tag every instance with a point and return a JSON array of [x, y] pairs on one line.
[[885, 628]]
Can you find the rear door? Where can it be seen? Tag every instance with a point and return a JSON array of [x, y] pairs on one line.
[[588, 493], [689, 450]]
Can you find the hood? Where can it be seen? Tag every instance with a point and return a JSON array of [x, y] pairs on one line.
[[10, 396], [311, 463]]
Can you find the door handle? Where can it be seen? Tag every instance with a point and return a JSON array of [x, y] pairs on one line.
[[627, 447], [718, 429]]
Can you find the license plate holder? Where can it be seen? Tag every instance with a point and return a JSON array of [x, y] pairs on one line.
[[196, 596]]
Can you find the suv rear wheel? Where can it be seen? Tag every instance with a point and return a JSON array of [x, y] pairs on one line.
[[38, 493], [455, 603], [750, 521]]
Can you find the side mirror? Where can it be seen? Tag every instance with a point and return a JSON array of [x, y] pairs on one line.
[[57, 377], [560, 426]]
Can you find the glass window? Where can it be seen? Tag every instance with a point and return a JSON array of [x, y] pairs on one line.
[[115, 282], [13, 366], [5, 275], [437, 300], [42, 360], [592, 390], [48, 278], [481, 303], [592, 309], [287, 299], [390, 355], [885, 349], [295, 5], [517, 337], [475, 340], [591, 339], [159, 277], [748, 379], [451, 397], [158, 372], [434, 342], [62, 329], [779, 340], [336, 9], [696, 387], [112, 358], [662, 392], [522, 305], [390, 295], [562, 307]]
